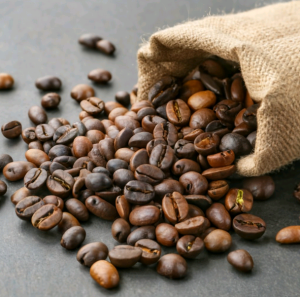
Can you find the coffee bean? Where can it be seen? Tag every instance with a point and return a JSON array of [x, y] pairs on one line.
[[249, 226], [73, 237], [167, 131], [218, 241], [151, 251], [120, 230], [3, 188], [81, 146], [213, 68], [126, 121], [122, 176], [101, 208], [97, 182], [89, 40], [20, 194], [237, 143], [81, 92], [149, 174], [172, 266], [50, 100], [105, 47], [35, 178], [194, 183], [219, 173], [100, 76], [184, 149], [91, 253], [189, 246], [28, 206], [241, 260], [137, 192], [201, 201], [67, 222], [162, 156], [202, 99], [36, 156], [144, 215], [96, 157], [195, 211], [124, 256], [193, 226], [201, 118], [189, 88], [185, 165], [123, 98], [219, 216], [6, 81], [123, 207], [140, 140], [59, 150], [178, 112], [60, 183], [261, 187], [222, 159], [48, 83], [218, 127], [168, 186], [46, 217], [289, 235], [140, 157], [238, 90], [92, 105], [217, 189], [227, 110], [105, 274], [17, 170], [37, 115], [238, 200], [166, 234], [206, 143], [35, 145], [57, 201], [12, 129], [77, 209], [4, 160], [144, 232]]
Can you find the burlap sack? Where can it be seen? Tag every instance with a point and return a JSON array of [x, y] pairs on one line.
[[266, 43]]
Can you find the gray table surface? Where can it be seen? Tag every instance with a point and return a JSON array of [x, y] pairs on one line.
[[39, 38]]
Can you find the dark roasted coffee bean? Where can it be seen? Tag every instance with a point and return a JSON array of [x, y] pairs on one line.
[[97, 182], [77, 209], [250, 116], [201, 201], [184, 149], [96, 157], [19, 195], [92, 105], [17, 170], [28, 206], [50, 100], [168, 186], [238, 200], [144, 232], [219, 173], [48, 83], [119, 111], [115, 164], [201, 118], [167, 131], [218, 241], [162, 156], [122, 176], [67, 161], [237, 143], [261, 187], [124, 256], [210, 83], [140, 140], [36, 145], [151, 251], [3, 188], [59, 150], [122, 138], [241, 260], [213, 68], [65, 134], [217, 189], [178, 112], [105, 47], [44, 132], [137, 192], [192, 135], [123, 207], [193, 226], [146, 112], [46, 217], [105, 274], [144, 215], [189, 246], [172, 266], [12, 129], [194, 183], [218, 127], [100, 76], [249, 226], [126, 121], [73, 237], [166, 234], [91, 253], [81, 92], [149, 174], [37, 115], [57, 122], [106, 147], [110, 106], [154, 142], [123, 98], [120, 230], [226, 110], [206, 143], [219, 216], [150, 121], [206, 232], [140, 157], [6, 81], [185, 165], [67, 222], [60, 183], [89, 40], [195, 211], [94, 124], [35, 178], [84, 194], [51, 199], [288, 235], [4, 160], [238, 89], [222, 159], [101, 208]]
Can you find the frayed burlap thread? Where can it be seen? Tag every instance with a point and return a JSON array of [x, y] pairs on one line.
[[266, 44]]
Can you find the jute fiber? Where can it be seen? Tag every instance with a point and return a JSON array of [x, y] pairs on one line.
[[266, 44]]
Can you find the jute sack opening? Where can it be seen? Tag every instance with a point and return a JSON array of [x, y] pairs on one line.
[[266, 44]]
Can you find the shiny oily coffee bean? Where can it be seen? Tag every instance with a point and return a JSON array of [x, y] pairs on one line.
[[122, 176], [35, 178], [60, 183], [213, 68], [145, 111], [249, 226], [153, 143], [144, 232], [166, 234], [44, 132], [46, 217], [105, 47], [192, 135], [241, 260], [237, 143], [172, 266], [65, 134], [289, 235], [201, 118], [184, 149], [201, 201], [140, 140], [150, 121], [175, 207], [17, 170], [122, 138], [12, 129], [219, 173], [124, 256], [91, 253], [50, 100], [202, 99], [57, 201], [144, 215], [28, 206], [217, 189], [105, 274], [149, 174], [97, 182], [195, 211], [89, 40], [261, 187], [221, 159], [100, 76], [168, 186], [151, 251], [162, 156], [67, 222], [123, 98], [82, 92], [73, 238], [226, 110], [137, 192], [4, 160], [101, 208], [77, 209], [189, 88], [6, 81], [238, 89], [185, 165], [37, 115], [3, 188], [194, 183], [206, 143], [193, 226], [140, 157], [120, 230], [178, 112], [189, 246], [238, 200], [19, 195], [167, 131], [92, 105], [218, 127], [126, 121], [219, 216], [48, 83], [123, 207], [218, 241], [94, 124]]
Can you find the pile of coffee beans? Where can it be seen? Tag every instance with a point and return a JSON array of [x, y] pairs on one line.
[[159, 170]]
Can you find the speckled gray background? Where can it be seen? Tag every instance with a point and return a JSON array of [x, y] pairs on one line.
[[39, 38]]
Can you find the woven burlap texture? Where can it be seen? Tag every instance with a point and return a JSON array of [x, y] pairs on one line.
[[266, 43]]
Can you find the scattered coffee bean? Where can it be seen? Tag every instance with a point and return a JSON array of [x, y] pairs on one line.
[[12, 129], [73, 237], [189, 246], [17, 170], [37, 115], [238, 200], [48, 83], [4, 160], [120, 230], [172, 266], [100, 76], [3, 188], [50, 100], [6, 81], [123, 98], [289, 235], [105, 47], [82, 92], [89, 40], [91, 253], [241, 260], [77, 209], [218, 241], [125, 256], [262, 187]]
